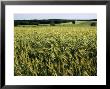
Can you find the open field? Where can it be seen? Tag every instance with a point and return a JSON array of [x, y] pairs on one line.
[[61, 50]]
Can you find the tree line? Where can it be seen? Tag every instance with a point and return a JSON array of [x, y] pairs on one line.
[[52, 22]]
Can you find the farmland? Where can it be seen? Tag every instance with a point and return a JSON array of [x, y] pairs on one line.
[[61, 50]]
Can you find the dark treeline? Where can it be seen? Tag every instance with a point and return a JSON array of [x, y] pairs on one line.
[[52, 22]]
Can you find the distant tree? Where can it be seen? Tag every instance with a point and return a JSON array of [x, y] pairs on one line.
[[93, 24], [15, 24], [52, 23], [73, 22]]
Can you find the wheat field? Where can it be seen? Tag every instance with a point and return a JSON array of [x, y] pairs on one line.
[[61, 50]]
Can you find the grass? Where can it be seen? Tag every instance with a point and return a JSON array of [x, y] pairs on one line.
[[62, 50]]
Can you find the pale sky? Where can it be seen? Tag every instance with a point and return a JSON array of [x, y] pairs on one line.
[[54, 16]]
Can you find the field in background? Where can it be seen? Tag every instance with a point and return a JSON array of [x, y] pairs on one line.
[[61, 50]]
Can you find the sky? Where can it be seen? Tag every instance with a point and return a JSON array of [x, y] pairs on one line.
[[54, 16]]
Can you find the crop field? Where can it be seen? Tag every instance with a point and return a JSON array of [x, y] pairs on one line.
[[61, 50]]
